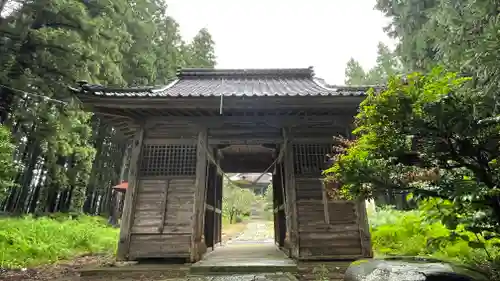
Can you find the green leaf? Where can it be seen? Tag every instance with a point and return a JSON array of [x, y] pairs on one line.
[[476, 245]]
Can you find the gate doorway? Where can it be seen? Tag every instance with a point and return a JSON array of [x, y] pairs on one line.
[[251, 249], [260, 159]]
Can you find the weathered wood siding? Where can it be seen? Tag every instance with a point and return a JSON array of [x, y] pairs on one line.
[[163, 205], [329, 229], [174, 129], [162, 223]]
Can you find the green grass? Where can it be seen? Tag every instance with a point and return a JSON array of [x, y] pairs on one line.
[[400, 233], [27, 242]]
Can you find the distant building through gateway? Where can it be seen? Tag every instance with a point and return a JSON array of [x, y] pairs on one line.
[[257, 182]]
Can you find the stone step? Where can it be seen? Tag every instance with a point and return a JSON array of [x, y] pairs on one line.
[[277, 276], [135, 271], [249, 268]]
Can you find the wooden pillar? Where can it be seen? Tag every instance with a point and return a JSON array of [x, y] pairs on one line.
[[113, 211], [218, 205], [280, 202], [130, 197], [275, 206], [197, 243], [211, 209], [290, 191], [364, 229], [284, 210]]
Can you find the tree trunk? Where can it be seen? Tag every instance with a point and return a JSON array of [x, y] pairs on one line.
[[19, 206]]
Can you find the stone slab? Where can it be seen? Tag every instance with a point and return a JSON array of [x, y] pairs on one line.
[[245, 257]]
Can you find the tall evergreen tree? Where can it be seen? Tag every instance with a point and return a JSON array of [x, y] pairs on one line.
[[200, 52], [354, 73], [68, 159], [387, 65]]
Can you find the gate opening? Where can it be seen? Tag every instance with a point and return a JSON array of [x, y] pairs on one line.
[[252, 204]]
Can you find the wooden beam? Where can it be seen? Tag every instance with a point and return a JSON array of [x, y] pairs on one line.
[[272, 121], [200, 196], [230, 102], [240, 140], [130, 197]]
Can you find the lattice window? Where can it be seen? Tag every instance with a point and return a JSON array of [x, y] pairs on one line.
[[168, 160], [310, 159]]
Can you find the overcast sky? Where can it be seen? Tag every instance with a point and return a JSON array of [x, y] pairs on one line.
[[286, 33]]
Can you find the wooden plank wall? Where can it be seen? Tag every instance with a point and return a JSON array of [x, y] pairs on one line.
[[162, 213], [329, 230], [162, 226]]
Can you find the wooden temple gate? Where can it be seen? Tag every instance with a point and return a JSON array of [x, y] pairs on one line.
[[208, 121]]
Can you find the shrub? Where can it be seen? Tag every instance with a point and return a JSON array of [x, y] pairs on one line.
[[411, 233]]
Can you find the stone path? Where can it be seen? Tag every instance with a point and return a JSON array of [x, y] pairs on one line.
[[244, 277], [252, 251], [256, 232]]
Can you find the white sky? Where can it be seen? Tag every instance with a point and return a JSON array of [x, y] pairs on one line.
[[286, 33]]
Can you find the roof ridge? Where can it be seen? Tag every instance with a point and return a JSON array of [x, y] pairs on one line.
[[322, 83], [187, 73]]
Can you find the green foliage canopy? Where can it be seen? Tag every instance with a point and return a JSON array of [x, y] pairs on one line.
[[236, 201], [421, 135]]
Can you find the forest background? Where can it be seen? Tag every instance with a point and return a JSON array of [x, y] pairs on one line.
[[55, 158]]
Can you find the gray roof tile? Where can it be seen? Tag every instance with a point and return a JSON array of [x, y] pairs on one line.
[[235, 82]]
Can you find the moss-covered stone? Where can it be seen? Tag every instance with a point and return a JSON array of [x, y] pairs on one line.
[[409, 269]]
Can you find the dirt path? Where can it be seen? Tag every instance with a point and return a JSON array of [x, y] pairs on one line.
[[68, 270]]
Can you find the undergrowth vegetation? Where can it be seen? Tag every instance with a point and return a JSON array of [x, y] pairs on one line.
[[414, 233], [26, 242]]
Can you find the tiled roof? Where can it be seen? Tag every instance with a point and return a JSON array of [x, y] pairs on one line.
[[235, 82]]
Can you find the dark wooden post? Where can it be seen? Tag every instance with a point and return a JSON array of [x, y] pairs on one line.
[[130, 196], [218, 205], [113, 211], [283, 211], [280, 203], [211, 209], [276, 205], [197, 242], [291, 211]]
